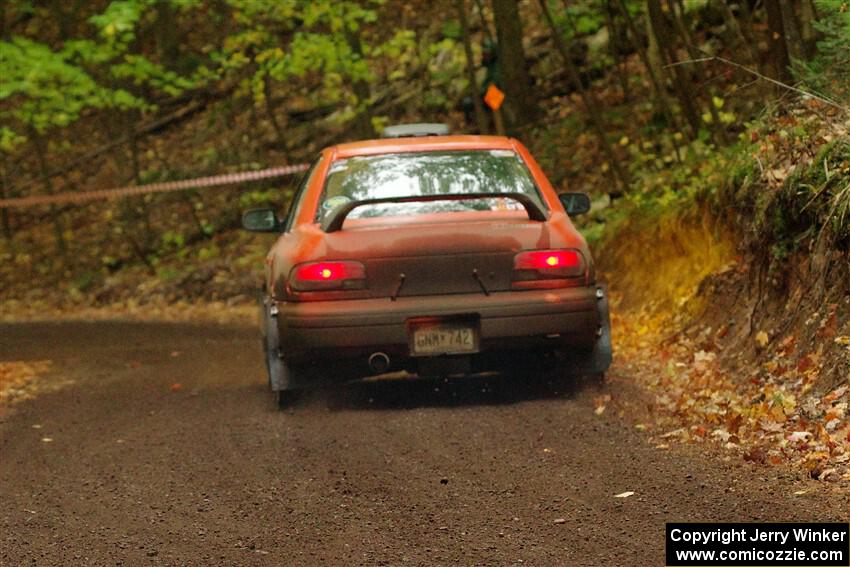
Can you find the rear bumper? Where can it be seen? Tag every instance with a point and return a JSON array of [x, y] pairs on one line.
[[517, 319]]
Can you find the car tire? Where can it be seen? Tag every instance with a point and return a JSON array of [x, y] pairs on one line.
[[597, 379], [285, 399]]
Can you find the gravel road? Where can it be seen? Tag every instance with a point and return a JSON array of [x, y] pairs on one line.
[[480, 471]]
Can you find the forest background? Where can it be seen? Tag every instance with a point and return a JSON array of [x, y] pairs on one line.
[[711, 134]]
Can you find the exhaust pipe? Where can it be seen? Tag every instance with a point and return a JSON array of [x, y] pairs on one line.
[[379, 362]]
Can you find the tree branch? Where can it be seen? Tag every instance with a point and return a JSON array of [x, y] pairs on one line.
[[816, 96]]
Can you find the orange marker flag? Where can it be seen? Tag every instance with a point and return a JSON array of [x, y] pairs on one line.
[[494, 97]]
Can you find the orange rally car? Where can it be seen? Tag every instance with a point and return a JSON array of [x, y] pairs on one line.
[[435, 254]]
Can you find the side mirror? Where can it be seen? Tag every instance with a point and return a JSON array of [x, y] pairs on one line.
[[575, 203], [261, 220]]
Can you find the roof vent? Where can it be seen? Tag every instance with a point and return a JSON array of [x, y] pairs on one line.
[[415, 130]]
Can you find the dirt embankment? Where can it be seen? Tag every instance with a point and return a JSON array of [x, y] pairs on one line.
[[747, 354]]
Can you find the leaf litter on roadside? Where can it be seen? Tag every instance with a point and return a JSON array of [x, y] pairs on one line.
[[769, 413], [19, 379]]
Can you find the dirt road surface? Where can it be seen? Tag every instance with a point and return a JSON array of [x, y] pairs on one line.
[[470, 472]]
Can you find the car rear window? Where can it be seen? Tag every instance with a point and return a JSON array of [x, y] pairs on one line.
[[427, 173]]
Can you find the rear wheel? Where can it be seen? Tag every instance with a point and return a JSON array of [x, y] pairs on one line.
[[597, 380], [286, 398]]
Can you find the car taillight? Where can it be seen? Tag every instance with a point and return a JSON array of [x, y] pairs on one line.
[[547, 268], [320, 276]]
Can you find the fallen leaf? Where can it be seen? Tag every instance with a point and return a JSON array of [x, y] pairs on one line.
[[762, 339], [755, 455], [827, 473], [806, 363], [674, 433], [721, 434], [798, 436], [176, 387]]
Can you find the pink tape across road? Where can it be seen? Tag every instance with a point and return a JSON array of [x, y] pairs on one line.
[[212, 181]]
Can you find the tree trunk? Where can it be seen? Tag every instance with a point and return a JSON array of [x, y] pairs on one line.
[[166, 34], [132, 121], [480, 116], [4, 212], [657, 81], [591, 106], [792, 29], [614, 50], [485, 25], [271, 112], [120, 125], [808, 35], [663, 32], [776, 42], [67, 20], [363, 119], [520, 101], [743, 41], [685, 36], [47, 185]]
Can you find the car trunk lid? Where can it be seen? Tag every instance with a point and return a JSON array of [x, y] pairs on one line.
[[410, 259]]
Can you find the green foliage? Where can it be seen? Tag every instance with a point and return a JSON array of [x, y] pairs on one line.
[[579, 18], [172, 240], [829, 71], [43, 90], [117, 24], [452, 29], [263, 198], [444, 62], [118, 30], [326, 61], [141, 71], [313, 41], [782, 216], [814, 202], [665, 186]]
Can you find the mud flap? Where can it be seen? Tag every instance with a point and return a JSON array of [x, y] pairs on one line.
[[279, 372], [602, 354], [597, 360]]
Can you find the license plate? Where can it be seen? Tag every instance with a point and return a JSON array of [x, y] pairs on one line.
[[443, 338]]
